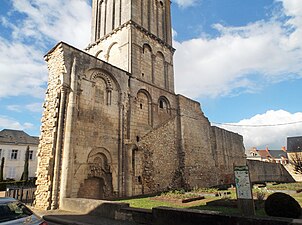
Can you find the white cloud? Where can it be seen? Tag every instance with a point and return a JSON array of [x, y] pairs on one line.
[[22, 69], [10, 123], [240, 56], [15, 108], [185, 3], [57, 20], [272, 136], [33, 107]]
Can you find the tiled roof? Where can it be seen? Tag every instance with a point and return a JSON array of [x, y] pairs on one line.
[[17, 137], [263, 153], [273, 154]]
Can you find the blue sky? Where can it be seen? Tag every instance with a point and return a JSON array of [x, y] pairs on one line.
[[240, 59]]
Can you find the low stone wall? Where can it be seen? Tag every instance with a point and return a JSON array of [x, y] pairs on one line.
[[265, 171], [165, 215], [93, 207]]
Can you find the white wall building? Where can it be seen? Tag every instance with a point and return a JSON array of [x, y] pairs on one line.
[[13, 144]]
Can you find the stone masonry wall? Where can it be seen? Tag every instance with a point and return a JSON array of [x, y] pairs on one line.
[[160, 159], [210, 152], [228, 151], [265, 171], [55, 62]]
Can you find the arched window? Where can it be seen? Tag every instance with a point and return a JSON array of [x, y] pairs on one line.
[[144, 107], [163, 104], [160, 71], [146, 59]]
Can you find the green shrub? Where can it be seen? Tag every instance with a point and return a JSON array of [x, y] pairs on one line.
[[282, 205]]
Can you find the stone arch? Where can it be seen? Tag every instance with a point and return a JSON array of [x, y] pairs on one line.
[[160, 19], [160, 70], [113, 54], [147, 46], [146, 63], [97, 151], [111, 85], [164, 104], [98, 54], [98, 184], [144, 101]]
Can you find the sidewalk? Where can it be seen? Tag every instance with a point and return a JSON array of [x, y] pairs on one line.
[[72, 218]]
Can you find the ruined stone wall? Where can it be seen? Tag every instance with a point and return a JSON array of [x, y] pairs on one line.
[[228, 151], [199, 164], [265, 171], [209, 152], [160, 161], [47, 145]]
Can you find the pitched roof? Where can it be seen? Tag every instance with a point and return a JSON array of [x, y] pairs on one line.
[[264, 153], [8, 136], [277, 154]]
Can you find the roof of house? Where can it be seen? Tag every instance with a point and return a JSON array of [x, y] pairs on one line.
[[277, 154], [264, 153], [8, 136]]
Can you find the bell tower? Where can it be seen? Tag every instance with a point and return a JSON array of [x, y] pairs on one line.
[[136, 36]]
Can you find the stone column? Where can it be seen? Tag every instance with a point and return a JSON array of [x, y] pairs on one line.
[[67, 156], [58, 149]]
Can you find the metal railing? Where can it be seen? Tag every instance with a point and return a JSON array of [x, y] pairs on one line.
[[25, 194]]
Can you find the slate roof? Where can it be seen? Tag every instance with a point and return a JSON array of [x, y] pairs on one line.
[[277, 154], [8, 136]]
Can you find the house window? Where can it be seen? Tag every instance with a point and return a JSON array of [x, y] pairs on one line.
[[11, 172], [14, 155], [31, 155]]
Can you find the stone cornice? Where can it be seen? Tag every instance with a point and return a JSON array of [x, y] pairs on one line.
[[137, 26]]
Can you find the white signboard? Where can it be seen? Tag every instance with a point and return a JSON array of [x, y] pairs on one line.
[[243, 184]]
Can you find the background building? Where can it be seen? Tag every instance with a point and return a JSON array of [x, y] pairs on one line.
[[13, 144], [294, 144]]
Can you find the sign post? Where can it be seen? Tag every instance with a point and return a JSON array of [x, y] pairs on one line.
[[244, 190]]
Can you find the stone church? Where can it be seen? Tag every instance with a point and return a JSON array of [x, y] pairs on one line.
[[112, 124]]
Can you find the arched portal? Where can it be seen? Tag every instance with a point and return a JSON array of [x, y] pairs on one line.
[[98, 184]]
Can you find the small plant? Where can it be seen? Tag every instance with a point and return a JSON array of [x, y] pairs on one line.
[[260, 194], [178, 194], [282, 205], [204, 190]]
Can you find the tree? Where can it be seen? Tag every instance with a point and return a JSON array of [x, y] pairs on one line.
[[25, 170], [296, 161], [2, 169]]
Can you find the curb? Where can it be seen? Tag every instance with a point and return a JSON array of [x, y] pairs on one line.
[[62, 221]]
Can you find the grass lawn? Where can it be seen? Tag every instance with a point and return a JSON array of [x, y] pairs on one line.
[[173, 199]]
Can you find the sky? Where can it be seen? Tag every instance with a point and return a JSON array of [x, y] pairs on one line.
[[242, 60]]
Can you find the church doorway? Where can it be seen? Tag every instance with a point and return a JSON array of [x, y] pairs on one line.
[[98, 184]]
